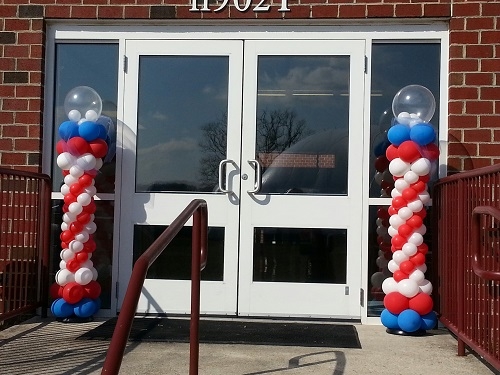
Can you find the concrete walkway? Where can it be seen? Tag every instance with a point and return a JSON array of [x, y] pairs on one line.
[[44, 346]]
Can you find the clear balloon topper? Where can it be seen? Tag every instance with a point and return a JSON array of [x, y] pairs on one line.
[[413, 104], [82, 104]]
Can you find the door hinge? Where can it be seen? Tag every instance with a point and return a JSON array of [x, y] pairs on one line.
[[346, 290], [362, 297], [366, 64], [125, 64]]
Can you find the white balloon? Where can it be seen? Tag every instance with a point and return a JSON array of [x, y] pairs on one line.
[[405, 213], [76, 171], [396, 221], [425, 286], [398, 167], [87, 264], [417, 276], [404, 118], [399, 257], [64, 276], [377, 279], [74, 115], [392, 231], [70, 180], [67, 254], [408, 288], [86, 161], [75, 208], [64, 226], [416, 239], [395, 193], [400, 184], [389, 285], [84, 199], [65, 189], [62, 264], [91, 115], [68, 218], [411, 177], [421, 167], [424, 197], [91, 227], [83, 276], [94, 273], [409, 249], [65, 160], [75, 246], [83, 236], [416, 205], [392, 266], [98, 163], [90, 190], [421, 229], [422, 267]]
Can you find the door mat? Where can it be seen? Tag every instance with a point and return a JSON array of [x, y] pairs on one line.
[[235, 332]]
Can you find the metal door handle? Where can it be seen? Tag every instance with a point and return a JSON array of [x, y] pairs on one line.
[[221, 165], [258, 171]]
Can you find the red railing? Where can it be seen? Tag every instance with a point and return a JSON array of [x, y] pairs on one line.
[[198, 210], [24, 242], [466, 210]]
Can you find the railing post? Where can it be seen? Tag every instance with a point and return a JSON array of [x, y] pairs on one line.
[[462, 201], [195, 294]]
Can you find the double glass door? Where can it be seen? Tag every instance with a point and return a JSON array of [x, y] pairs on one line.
[[269, 133]]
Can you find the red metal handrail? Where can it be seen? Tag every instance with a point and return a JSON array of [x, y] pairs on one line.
[[198, 210], [466, 211], [24, 241]]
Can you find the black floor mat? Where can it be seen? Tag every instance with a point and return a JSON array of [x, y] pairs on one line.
[[235, 332]]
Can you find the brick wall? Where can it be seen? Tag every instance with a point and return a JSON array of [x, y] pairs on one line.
[[474, 105]]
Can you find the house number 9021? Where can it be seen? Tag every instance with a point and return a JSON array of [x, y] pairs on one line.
[[261, 6]]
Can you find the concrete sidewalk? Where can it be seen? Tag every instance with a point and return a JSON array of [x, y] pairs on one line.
[[45, 346]]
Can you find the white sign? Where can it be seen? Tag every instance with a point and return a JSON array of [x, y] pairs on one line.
[[261, 6]]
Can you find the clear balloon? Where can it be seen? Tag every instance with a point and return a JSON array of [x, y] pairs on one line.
[[82, 99], [414, 99]]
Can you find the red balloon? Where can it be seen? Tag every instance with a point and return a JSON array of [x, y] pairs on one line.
[[396, 302], [382, 213], [64, 245], [89, 246], [419, 186], [67, 236], [73, 265], [399, 202], [425, 179], [391, 153], [381, 163], [399, 275], [92, 289], [415, 221], [408, 151], [422, 213], [73, 292], [75, 189], [83, 218], [430, 151], [78, 146], [56, 291], [85, 180], [418, 259], [65, 207], [409, 194], [398, 241], [90, 208], [423, 248], [65, 172], [405, 230], [81, 256], [61, 146], [69, 198], [421, 303], [98, 148], [407, 267], [392, 211], [76, 227]]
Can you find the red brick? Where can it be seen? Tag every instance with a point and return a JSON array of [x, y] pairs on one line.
[[110, 12], [454, 164], [479, 107], [490, 93], [95, 2], [28, 118], [477, 79], [464, 37], [8, 10], [496, 135], [462, 148], [222, 14], [490, 65], [325, 11], [14, 131], [477, 135], [15, 104], [457, 24], [27, 144], [408, 10], [37, 24], [489, 122], [489, 149], [479, 51], [462, 121], [7, 91], [479, 23], [273, 13], [183, 12], [464, 65], [456, 79], [86, 12], [16, 51], [456, 51], [28, 91], [6, 117], [380, 10], [6, 144], [299, 11], [16, 24], [234, 13], [136, 12], [491, 8], [455, 107], [123, 2], [463, 93], [352, 11], [36, 52], [57, 11], [34, 131], [7, 64], [479, 162], [35, 104], [29, 38], [29, 64], [466, 9], [13, 158], [437, 10]]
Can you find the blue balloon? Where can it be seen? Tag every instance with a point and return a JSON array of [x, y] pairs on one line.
[[428, 321], [389, 320], [422, 134], [398, 133], [68, 129], [61, 309], [85, 308], [89, 130], [103, 133], [409, 320]]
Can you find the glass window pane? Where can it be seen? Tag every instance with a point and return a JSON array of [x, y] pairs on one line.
[[175, 262], [102, 257], [394, 66], [303, 124], [182, 122], [96, 66], [301, 255]]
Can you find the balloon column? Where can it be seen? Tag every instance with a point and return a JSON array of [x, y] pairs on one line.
[[83, 145], [407, 301]]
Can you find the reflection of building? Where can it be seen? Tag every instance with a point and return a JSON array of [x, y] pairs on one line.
[[241, 68]]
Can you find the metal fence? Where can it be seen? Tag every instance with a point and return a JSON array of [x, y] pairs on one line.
[[24, 241], [466, 210]]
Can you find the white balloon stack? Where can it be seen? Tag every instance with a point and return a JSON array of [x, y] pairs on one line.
[[83, 145], [408, 304]]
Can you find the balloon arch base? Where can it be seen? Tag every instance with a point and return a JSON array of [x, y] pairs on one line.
[[399, 332]]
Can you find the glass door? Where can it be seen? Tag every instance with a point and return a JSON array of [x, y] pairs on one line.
[[181, 136], [301, 211]]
